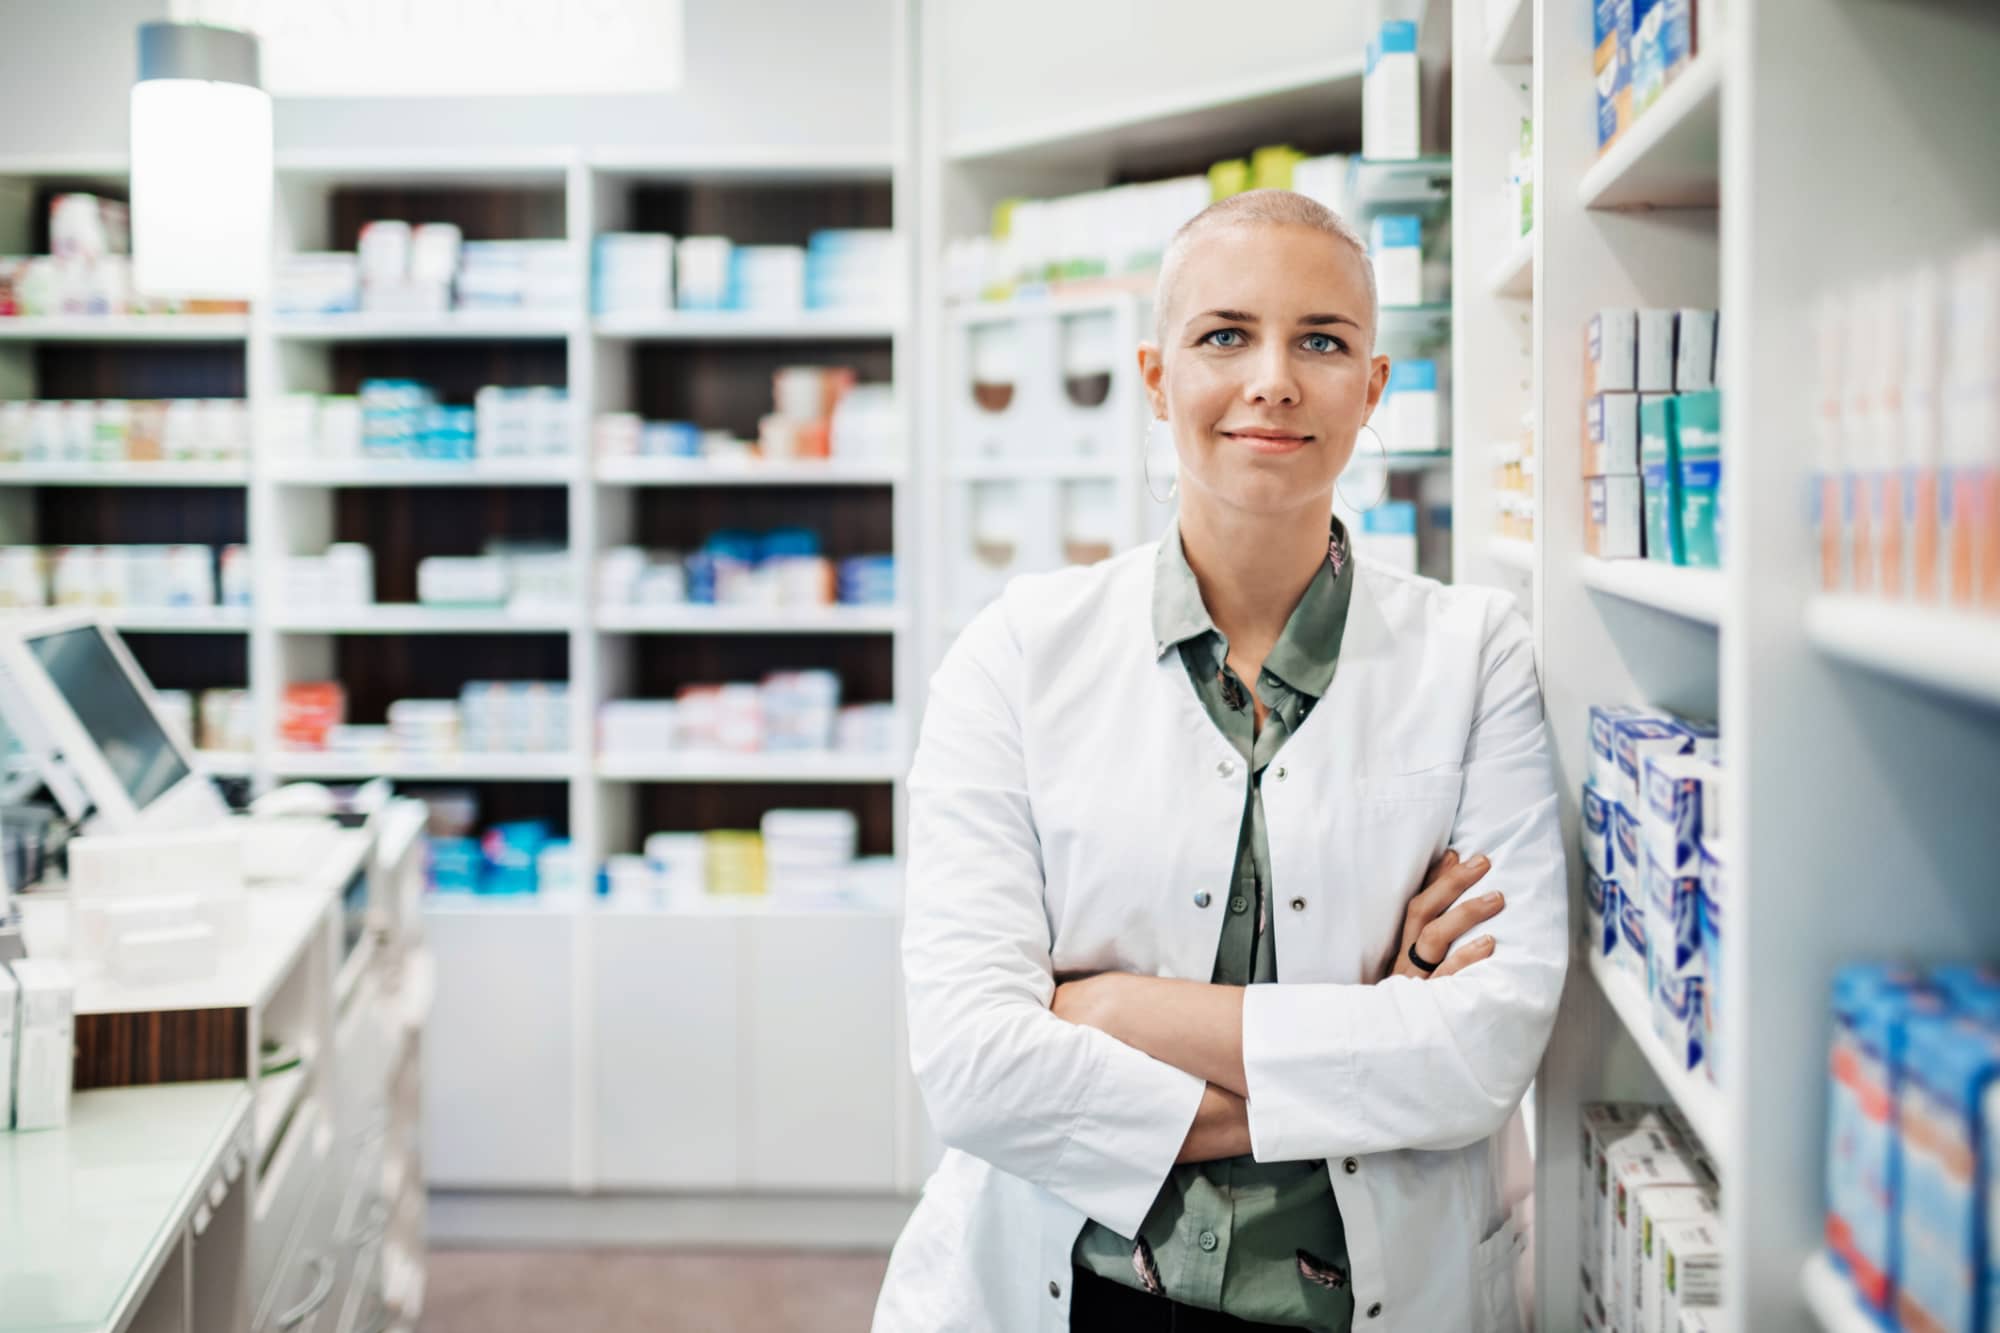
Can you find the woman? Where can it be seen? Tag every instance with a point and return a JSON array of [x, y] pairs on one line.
[[1238, 756]]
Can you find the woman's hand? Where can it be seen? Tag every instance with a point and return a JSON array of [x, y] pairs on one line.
[[1436, 918]]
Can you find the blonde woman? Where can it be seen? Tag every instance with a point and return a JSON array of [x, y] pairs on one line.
[[1199, 1001]]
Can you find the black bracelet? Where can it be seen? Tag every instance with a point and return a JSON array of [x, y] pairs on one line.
[[1428, 968]]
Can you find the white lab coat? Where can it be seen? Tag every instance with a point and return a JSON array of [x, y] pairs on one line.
[[1068, 800]]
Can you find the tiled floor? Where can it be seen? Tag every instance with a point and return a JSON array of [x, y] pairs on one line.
[[649, 1291]]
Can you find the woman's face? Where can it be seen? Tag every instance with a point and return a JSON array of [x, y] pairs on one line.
[[1265, 368]]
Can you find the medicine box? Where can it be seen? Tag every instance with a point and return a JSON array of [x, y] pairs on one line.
[[1681, 801], [1697, 428], [1649, 70], [1600, 896], [1627, 848], [1656, 351], [1658, 1207], [1714, 862], [1612, 63], [1629, 953], [1411, 400], [1396, 245], [1635, 739], [1873, 1006], [1603, 1124], [1659, 470], [1950, 1107], [1651, 1157], [1611, 353], [1691, 1267], [1613, 510], [1390, 127], [1596, 829], [1603, 745], [1694, 350], [1611, 435], [44, 1043]]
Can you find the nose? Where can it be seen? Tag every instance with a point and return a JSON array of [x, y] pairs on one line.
[[1272, 381]]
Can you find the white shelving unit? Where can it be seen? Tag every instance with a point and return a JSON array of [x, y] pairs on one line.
[[124, 328], [192, 473], [1856, 733]]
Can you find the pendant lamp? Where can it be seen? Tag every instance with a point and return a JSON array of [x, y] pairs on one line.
[[201, 164]]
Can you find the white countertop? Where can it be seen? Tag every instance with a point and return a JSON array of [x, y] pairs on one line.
[[282, 916], [90, 1212]]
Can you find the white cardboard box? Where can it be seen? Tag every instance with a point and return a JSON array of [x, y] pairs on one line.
[[10, 1000], [45, 1042]]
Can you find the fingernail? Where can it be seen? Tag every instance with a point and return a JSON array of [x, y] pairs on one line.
[[1481, 862], [1492, 899], [1451, 856], [1485, 942]]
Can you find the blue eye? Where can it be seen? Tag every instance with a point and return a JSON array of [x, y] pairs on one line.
[[1323, 342], [1213, 339]]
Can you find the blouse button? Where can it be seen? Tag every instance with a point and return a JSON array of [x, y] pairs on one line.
[[1298, 904], [1375, 1310], [1201, 898], [1239, 905], [1351, 1166], [1224, 769]]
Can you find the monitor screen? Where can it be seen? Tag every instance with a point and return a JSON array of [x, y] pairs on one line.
[[113, 711]]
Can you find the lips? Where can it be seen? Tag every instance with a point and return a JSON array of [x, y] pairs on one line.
[[1266, 441]]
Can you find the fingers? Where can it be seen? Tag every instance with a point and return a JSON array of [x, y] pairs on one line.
[[1435, 940], [1450, 878], [1474, 952]]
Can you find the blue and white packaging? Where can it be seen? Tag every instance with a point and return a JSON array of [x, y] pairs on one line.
[[1636, 738], [1596, 829], [1681, 805], [1630, 954], [1389, 106], [1603, 746], [1714, 875], [1600, 898], [1674, 977], [1408, 416], [1950, 1108], [1396, 245], [1628, 849]]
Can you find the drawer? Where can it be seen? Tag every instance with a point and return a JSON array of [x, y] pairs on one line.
[[285, 1190], [363, 1046]]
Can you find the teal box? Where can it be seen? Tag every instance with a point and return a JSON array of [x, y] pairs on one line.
[[1660, 478], [1697, 447]]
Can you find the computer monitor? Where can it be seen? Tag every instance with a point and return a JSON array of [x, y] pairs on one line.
[[85, 711]]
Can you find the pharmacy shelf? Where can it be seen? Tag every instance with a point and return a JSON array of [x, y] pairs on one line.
[[226, 763], [1186, 123], [781, 766], [1414, 460], [125, 474], [1953, 651], [746, 326], [449, 903], [1515, 277], [1035, 469], [360, 472], [125, 328], [762, 907], [1077, 297], [453, 326], [278, 1095], [410, 619], [1420, 323], [179, 620], [1831, 1299], [686, 619], [1698, 1099], [1670, 157], [1510, 35], [556, 767], [1375, 183], [804, 164], [1512, 553], [1692, 594], [641, 471]]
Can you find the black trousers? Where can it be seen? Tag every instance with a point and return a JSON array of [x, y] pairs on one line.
[[1099, 1305]]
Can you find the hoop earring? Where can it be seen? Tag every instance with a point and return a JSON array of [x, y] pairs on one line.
[[1382, 491], [1157, 434]]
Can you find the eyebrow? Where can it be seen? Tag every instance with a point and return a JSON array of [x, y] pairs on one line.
[[1245, 317]]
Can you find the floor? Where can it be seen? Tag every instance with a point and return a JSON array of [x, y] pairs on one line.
[[649, 1291]]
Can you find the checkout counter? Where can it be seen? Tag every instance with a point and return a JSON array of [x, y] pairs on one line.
[[241, 1153]]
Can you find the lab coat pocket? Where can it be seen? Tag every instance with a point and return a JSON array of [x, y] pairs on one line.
[[1493, 1273], [1402, 824], [1402, 795]]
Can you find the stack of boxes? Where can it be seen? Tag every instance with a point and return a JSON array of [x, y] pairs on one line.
[[1652, 437], [1641, 47], [1655, 868], [1650, 1253], [1912, 1155]]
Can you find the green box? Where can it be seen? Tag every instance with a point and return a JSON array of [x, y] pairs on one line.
[[1697, 428], [1660, 478]]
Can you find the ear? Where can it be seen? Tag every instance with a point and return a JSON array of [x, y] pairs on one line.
[[1378, 380], [1152, 368]]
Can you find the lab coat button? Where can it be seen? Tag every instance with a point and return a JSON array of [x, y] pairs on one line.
[[1298, 904], [1225, 769], [1281, 772], [1206, 1240], [1351, 1166], [1055, 1290], [1201, 898], [1375, 1310]]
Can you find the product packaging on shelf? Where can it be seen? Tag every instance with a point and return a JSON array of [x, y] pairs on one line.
[[1659, 473], [1694, 350], [1714, 893], [1638, 1179], [1655, 1276], [1611, 353], [1596, 824], [1603, 1125], [1696, 425], [1650, 1152], [1611, 435], [632, 273], [1949, 1116], [1611, 62], [1396, 246], [1612, 518], [1604, 718], [1390, 127], [1691, 1265], [44, 1038], [1655, 351], [1408, 413]]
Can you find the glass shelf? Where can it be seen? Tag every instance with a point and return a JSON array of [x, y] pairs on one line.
[[1374, 184]]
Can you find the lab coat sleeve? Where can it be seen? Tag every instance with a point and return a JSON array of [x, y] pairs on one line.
[[1069, 1108], [1340, 1070]]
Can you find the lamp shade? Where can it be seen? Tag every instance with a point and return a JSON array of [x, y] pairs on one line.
[[201, 164]]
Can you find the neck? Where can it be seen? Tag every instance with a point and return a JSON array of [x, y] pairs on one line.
[[1252, 568]]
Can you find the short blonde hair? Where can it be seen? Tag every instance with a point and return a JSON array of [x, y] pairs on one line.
[[1273, 208]]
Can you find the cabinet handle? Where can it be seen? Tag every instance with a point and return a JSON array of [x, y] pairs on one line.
[[322, 1288], [371, 1230]]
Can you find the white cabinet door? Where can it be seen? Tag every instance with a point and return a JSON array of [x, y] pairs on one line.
[[820, 1040], [665, 1049], [499, 1070]]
